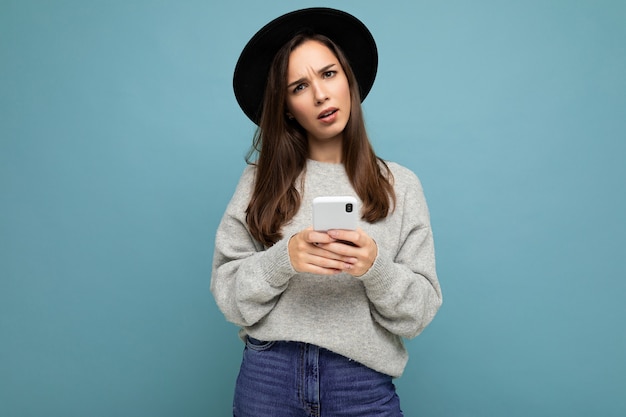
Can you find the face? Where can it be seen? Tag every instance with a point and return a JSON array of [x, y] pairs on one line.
[[318, 94]]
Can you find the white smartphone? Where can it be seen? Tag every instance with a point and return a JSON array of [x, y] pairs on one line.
[[337, 212]]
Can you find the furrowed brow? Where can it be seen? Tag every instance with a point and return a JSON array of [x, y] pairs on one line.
[[295, 83], [303, 79], [326, 68]]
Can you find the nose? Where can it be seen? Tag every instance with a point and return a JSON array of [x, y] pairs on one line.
[[319, 93]]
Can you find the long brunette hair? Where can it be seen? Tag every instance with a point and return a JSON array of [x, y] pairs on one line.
[[282, 148]]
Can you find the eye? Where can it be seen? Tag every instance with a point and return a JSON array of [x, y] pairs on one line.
[[299, 88], [329, 74]]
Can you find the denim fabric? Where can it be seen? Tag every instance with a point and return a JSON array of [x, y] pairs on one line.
[[291, 379]]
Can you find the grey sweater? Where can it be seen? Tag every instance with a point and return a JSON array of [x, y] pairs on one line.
[[365, 318]]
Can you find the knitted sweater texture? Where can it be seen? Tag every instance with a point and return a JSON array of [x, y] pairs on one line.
[[364, 318]]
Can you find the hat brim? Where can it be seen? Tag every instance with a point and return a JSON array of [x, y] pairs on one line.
[[349, 33]]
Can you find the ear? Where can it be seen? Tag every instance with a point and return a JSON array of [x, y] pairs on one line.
[[289, 116]]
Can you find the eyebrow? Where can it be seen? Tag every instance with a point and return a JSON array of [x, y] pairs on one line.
[[300, 80]]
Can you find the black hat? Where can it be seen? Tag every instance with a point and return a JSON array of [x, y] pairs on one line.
[[349, 33]]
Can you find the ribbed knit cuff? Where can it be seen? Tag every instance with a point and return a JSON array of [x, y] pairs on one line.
[[379, 278], [276, 268]]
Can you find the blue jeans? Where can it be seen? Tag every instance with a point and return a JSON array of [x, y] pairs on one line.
[[292, 379]]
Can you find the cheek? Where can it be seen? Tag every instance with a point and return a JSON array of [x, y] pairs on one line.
[[295, 107], [345, 93]]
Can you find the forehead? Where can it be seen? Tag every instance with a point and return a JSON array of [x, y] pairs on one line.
[[310, 55]]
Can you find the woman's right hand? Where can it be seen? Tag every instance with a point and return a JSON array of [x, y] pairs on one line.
[[306, 256]]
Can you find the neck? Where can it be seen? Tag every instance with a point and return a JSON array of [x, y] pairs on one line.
[[328, 151]]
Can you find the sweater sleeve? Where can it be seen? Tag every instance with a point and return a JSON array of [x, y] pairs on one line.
[[403, 287], [247, 279]]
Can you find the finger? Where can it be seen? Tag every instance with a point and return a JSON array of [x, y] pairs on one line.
[[348, 236], [340, 249], [314, 268], [324, 266], [337, 251], [318, 237], [329, 263]]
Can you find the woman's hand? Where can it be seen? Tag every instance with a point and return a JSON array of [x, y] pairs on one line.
[[350, 251]]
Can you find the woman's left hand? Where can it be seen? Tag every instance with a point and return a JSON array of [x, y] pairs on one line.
[[360, 249]]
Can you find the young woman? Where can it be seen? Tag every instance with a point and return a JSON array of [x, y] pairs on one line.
[[323, 314]]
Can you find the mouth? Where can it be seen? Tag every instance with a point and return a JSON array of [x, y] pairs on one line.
[[327, 113]]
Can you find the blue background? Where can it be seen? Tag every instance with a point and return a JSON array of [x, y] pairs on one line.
[[121, 144]]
